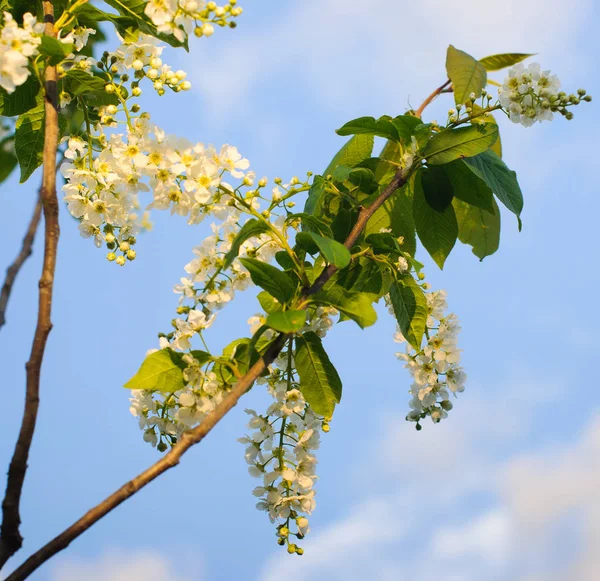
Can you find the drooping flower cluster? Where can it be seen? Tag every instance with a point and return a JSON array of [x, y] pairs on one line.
[[181, 17], [280, 451], [17, 46], [530, 94], [435, 368]]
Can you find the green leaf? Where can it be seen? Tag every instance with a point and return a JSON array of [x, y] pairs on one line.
[[437, 188], [410, 308], [78, 82], [468, 186], [313, 223], [364, 275], [355, 305], [319, 381], [381, 127], [406, 126], [160, 371], [502, 181], [273, 280], [287, 321], [489, 118], [8, 161], [201, 356], [477, 228], [467, 74], [396, 215], [29, 140], [356, 149], [437, 230], [252, 227], [21, 100], [55, 50], [449, 145], [267, 302], [496, 62], [333, 252]]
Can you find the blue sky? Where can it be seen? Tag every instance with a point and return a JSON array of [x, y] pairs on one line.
[[505, 488]]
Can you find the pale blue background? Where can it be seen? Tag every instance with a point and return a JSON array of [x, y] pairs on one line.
[[505, 488]]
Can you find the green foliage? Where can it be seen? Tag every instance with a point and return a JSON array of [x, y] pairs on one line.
[[252, 227], [396, 129], [449, 145], [497, 62], [437, 187], [54, 50], [29, 140], [501, 180], [355, 150], [273, 280], [267, 302], [468, 186], [437, 230], [478, 228], [8, 160], [355, 305], [319, 381], [333, 252], [396, 214], [410, 308], [467, 74], [22, 99], [367, 276], [287, 321], [160, 371]]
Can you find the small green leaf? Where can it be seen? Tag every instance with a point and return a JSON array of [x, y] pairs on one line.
[[410, 308], [355, 305], [29, 140], [467, 74], [274, 281], [381, 127], [160, 371], [437, 230], [356, 149], [201, 356], [267, 302], [406, 126], [54, 50], [478, 229], [252, 227], [437, 188], [468, 186], [287, 321], [497, 62], [449, 145], [333, 252], [502, 181], [312, 222], [319, 381], [22, 99], [8, 161]]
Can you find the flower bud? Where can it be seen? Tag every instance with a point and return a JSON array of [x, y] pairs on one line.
[[263, 182], [162, 446], [110, 88], [111, 110], [152, 74], [124, 246], [291, 549], [131, 254], [136, 91], [111, 256], [185, 86], [137, 65], [207, 29], [120, 260]]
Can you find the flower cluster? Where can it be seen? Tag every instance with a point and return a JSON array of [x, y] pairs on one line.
[[435, 367], [530, 95], [280, 451], [180, 17], [17, 45], [164, 417]]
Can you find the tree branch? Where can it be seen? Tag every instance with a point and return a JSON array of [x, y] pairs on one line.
[[26, 249], [431, 97], [10, 537], [197, 434]]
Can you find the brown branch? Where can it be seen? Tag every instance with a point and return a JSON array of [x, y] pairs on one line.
[[10, 537], [196, 435], [13, 270], [431, 97]]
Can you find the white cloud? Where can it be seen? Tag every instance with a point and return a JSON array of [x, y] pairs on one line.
[[128, 566], [464, 515]]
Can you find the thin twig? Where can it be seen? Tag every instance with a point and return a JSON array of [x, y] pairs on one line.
[[10, 537], [196, 435], [431, 97], [26, 249]]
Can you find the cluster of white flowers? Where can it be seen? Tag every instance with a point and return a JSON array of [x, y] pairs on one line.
[[280, 451], [17, 46], [435, 367], [530, 94], [164, 417], [181, 17]]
